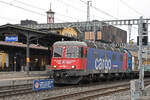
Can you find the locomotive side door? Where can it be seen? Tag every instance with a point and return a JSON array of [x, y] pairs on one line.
[[84, 58]]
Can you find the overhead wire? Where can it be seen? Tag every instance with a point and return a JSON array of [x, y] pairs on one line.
[[134, 11], [75, 8], [29, 5], [56, 12], [71, 6], [100, 10], [31, 11], [8, 19], [37, 8], [130, 7], [22, 8]]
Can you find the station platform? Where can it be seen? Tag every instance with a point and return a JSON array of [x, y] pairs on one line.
[[20, 78]]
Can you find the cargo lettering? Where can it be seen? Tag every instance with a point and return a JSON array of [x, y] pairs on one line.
[[102, 63]]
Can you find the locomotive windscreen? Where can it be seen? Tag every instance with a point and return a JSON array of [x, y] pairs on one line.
[[72, 52], [58, 52]]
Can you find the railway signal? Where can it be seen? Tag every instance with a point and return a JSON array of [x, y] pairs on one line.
[[144, 31]]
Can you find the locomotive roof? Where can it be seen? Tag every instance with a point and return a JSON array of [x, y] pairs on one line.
[[89, 44], [70, 43]]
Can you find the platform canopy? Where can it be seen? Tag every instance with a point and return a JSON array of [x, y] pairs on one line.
[[35, 36]]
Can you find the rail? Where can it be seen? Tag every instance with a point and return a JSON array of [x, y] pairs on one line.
[[94, 93]]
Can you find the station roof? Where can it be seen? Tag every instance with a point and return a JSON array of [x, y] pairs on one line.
[[43, 38], [61, 25]]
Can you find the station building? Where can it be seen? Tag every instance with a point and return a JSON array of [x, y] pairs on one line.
[[20, 46], [29, 43]]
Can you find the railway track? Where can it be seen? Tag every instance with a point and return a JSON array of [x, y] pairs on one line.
[[15, 90], [14, 86], [72, 92], [12, 90], [94, 93], [22, 89]]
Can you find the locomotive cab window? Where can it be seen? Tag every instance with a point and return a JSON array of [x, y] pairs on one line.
[[57, 52], [72, 52]]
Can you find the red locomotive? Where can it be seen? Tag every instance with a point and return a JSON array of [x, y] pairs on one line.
[[75, 61]]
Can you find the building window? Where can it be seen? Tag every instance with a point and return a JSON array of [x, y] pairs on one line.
[[99, 35], [89, 35]]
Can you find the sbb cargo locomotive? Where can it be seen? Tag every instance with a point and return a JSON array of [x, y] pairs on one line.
[[74, 61]]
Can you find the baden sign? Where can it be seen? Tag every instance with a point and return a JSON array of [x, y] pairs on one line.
[[11, 38]]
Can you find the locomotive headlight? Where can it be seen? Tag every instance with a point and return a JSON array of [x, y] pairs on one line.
[[73, 67], [54, 66]]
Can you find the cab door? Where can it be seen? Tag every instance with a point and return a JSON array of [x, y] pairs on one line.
[[84, 59]]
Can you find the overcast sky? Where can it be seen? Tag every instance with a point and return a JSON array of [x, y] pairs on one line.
[[12, 11]]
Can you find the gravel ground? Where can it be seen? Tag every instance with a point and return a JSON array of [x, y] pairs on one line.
[[38, 96], [50, 93], [117, 96]]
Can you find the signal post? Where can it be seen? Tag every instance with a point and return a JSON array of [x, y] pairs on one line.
[[137, 86], [143, 41]]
